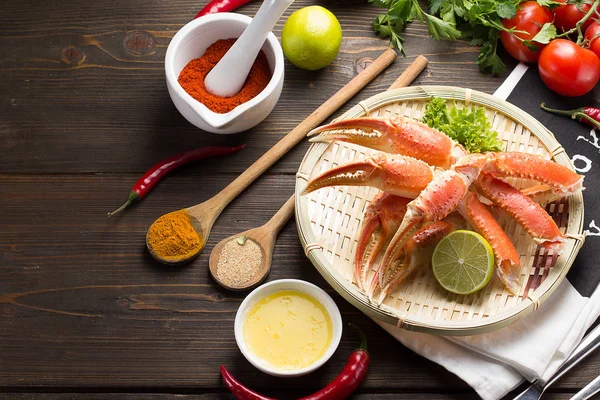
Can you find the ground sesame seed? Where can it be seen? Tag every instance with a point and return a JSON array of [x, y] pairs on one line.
[[238, 263]]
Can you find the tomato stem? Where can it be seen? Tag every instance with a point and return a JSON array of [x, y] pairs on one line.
[[512, 31], [580, 23]]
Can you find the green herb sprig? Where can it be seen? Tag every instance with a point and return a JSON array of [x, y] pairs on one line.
[[401, 12], [478, 21], [469, 126]]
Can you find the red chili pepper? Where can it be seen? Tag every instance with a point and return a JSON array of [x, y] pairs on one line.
[[162, 168], [240, 391], [217, 6], [353, 374], [341, 387], [589, 116]]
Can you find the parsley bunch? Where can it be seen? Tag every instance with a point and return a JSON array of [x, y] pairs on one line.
[[479, 21]]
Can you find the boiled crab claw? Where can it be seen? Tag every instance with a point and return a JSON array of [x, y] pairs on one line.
[[416, 254], [397, 135], [382, 219], [394, 174]]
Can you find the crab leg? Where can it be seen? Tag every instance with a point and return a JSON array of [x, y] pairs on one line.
[[397, 135], [394, 174], [417, 254], [530, 215], [505, 254], [540, 194], [381, 220], [561, 179]]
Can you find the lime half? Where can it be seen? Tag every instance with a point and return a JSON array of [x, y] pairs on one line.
[[463, 262]]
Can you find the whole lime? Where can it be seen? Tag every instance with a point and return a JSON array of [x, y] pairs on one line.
[[311, 38]]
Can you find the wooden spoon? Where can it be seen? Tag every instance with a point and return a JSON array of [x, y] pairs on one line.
[[204, 215], [264, 236]]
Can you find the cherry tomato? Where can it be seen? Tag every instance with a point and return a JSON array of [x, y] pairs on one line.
[[591, 36], [567, 16], [530, 17], [568, 69]]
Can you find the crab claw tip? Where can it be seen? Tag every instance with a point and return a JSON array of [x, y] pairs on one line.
[[318, 139], [506, 273]]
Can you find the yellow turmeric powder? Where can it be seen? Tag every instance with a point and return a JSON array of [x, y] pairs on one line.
[[172, 237]]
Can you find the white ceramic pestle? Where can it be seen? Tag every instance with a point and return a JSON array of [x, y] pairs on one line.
[[228, 76]]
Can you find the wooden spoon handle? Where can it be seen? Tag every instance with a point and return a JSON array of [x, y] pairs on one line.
[[222, 199], [410, 73], [281, 217]]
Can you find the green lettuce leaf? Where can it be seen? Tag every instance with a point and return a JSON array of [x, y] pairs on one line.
[[469, 126]]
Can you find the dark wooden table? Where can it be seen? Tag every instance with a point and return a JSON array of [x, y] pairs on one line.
[[84, 110]]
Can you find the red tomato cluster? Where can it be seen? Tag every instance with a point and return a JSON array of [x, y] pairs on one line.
[[565, 17], [565, 67]]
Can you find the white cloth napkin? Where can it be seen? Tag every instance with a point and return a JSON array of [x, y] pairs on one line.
[[532, 348]]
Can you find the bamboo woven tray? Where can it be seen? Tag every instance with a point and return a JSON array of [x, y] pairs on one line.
[[329, 221]]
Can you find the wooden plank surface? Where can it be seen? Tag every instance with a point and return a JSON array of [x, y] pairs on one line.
[[88, 308], [83, 111], [71, 81]]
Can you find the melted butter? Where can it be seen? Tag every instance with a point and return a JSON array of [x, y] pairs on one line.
[[288, 330]]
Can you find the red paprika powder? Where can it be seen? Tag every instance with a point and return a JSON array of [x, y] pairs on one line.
[[192, 77]]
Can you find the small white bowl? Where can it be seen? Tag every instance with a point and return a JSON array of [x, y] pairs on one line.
[[191, 42], [287, 284]]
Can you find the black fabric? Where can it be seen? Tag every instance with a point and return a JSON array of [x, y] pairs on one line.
[[579, 142]]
